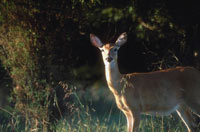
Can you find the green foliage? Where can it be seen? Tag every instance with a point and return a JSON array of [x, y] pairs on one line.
[[30, 94]]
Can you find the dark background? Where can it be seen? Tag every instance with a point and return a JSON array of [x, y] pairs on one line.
[[161, 34]]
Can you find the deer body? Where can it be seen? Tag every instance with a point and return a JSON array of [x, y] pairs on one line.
[[161, 92]]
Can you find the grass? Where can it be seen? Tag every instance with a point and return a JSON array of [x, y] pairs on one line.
[[86, 119], [148, 124]]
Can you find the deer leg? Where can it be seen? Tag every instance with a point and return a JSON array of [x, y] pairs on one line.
[[186, 115], [129, 119], [133, 121]]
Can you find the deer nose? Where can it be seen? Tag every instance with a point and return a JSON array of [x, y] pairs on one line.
[[109, 59]]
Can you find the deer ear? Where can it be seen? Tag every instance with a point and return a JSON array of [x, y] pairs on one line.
[[95, 41], [121, 39]]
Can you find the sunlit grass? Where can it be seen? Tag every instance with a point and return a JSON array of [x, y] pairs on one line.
[[148, 124], [85, 119]]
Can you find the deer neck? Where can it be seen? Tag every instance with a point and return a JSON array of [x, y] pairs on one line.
[[113, 77]]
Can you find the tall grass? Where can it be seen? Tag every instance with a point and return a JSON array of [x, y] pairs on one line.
[[85, 120]]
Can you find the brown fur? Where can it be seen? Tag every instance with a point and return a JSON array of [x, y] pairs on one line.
[[160, 92]]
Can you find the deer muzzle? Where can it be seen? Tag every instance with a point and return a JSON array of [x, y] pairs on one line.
[[109, 59]]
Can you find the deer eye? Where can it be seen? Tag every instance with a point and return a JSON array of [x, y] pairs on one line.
[[102, 50], [115, 49]]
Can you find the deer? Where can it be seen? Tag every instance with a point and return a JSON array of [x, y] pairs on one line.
[[156, 93]]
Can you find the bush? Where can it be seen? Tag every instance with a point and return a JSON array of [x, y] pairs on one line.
[[31, 94]]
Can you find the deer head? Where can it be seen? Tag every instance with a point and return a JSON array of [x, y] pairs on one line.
[[109, 50]]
